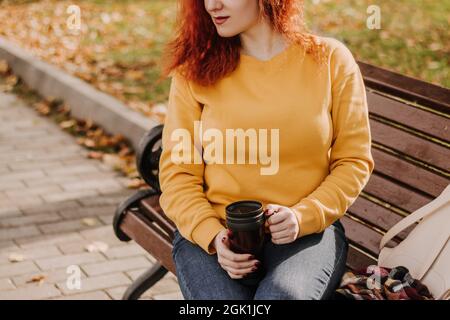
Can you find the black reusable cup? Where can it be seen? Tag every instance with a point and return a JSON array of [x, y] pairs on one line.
[[246, 221]]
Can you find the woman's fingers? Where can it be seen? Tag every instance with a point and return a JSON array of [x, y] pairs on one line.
[[272, 208], [279, 234], [236, 261], [279, 217], [235, 257], [233, 276], [282, 237], [283, 226], [284, 240], [279, 227], [238, 265], [239, 272]]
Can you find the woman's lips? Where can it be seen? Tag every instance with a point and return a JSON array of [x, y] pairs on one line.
[[220, 20]]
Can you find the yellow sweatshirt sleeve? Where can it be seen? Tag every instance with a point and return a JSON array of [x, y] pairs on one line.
[[351, 162], [183, 199]]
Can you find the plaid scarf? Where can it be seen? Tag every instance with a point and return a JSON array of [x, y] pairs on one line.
[[379, 283]]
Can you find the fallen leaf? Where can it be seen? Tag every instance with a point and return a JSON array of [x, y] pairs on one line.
[[95, 155], [135, 183], [16, 257], [117, 138], [134, 74], [3, 67], [54, 102], [95, 133], [67, 124], [89, 143], [384, 35], [89, 221], [80, 140], [37, 278], [113, 161], [63, 109], [89, 123], [96, 246], [139, 106], [116, 86], [160, 109], [12, 80], [6, 88], [435, 46], [104, 142], [42, 108], [125, 151], [133, 90], [433, 65]]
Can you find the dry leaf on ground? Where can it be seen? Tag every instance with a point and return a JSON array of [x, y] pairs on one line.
[[67, 124], [89, 221], [39, 278], [136, 183], [114, 161], [42, 108], [16, 257], [96, 246], [3, 67], [95, 155]]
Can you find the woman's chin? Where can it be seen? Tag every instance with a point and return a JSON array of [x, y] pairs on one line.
[[226, 33]]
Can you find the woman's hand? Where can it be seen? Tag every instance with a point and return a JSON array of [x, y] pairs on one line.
[[235, 264], [283, 224]]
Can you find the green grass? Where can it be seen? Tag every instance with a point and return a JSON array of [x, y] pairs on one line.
[[413, 39], [149, 34]]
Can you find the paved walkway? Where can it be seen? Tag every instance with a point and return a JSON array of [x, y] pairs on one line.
[[54, 203]]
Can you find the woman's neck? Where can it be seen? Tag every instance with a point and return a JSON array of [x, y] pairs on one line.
[[262, 41]]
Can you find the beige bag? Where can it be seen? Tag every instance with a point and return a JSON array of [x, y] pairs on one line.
[[426, 250]]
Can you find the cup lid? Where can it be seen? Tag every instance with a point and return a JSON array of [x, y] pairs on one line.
[[243, 208]]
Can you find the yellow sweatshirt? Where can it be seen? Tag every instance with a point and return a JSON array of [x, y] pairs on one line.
[[306, 142]]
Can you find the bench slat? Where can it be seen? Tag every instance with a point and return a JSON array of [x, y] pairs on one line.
[[136, 227], [357, 260], [394, 194], [408, 173], [411, 145], [405, 87], [427, 123], [377, 215], [363, 236], [151, 209]]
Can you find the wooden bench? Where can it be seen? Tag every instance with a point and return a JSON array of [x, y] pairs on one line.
[[410, 128]]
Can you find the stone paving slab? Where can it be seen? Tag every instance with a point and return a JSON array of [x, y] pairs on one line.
[[47, 188]]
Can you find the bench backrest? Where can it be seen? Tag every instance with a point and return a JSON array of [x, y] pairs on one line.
[[410, 127]]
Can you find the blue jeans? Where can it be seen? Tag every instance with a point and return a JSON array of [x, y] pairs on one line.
[[310, 268]]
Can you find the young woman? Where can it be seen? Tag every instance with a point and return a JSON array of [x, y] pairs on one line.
[[251, 64]]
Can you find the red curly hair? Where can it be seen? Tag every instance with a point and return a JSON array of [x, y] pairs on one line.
[[203, 56]]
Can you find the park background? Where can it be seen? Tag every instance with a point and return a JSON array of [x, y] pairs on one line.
[[117, 50]]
